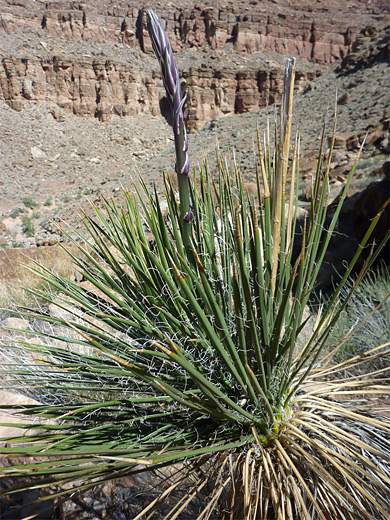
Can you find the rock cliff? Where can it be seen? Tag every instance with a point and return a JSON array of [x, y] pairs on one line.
[[129, 83], [307, 29], [94, 58]]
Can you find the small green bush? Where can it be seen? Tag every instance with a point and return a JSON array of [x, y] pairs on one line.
[[28, 226], [16, 212], [44, 222], [29, 202], [48, 202]]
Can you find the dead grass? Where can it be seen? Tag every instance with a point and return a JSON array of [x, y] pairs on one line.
[[16, 274]]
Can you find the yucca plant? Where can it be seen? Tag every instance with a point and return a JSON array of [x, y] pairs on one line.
[[193, 353]]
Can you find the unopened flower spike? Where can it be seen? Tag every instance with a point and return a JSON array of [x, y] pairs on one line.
[[163, 50]]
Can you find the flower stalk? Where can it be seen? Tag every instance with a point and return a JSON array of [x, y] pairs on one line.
[[163, 50]]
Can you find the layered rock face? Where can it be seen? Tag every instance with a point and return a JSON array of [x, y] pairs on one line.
[[88, 88], [94, 58], [93, 82], [104, 88], [215, 91], [306, 29]]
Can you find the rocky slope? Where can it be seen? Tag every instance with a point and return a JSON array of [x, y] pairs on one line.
[[71, 70], [52, 161]]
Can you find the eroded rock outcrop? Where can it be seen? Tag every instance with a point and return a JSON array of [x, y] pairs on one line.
[[234, 89], [108, 87], [91, 88], [307, 29], [370, 47]]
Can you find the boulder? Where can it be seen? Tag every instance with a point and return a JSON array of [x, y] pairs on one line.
[[7, 416], [16, 323]]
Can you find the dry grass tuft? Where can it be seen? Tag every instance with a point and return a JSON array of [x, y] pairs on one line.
[[16, 275]]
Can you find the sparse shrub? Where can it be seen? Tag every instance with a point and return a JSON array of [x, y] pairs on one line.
[[43, 223], [28, 226], [29, 202], [193, 359], [364, 164], [35, 214], [48, 202], [16, 212], [365, 322]]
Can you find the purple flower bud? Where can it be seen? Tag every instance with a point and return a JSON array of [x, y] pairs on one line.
[[188, 216], [163, 50]]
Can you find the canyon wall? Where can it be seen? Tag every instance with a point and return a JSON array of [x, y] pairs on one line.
[[104, 88], [94, 58]]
